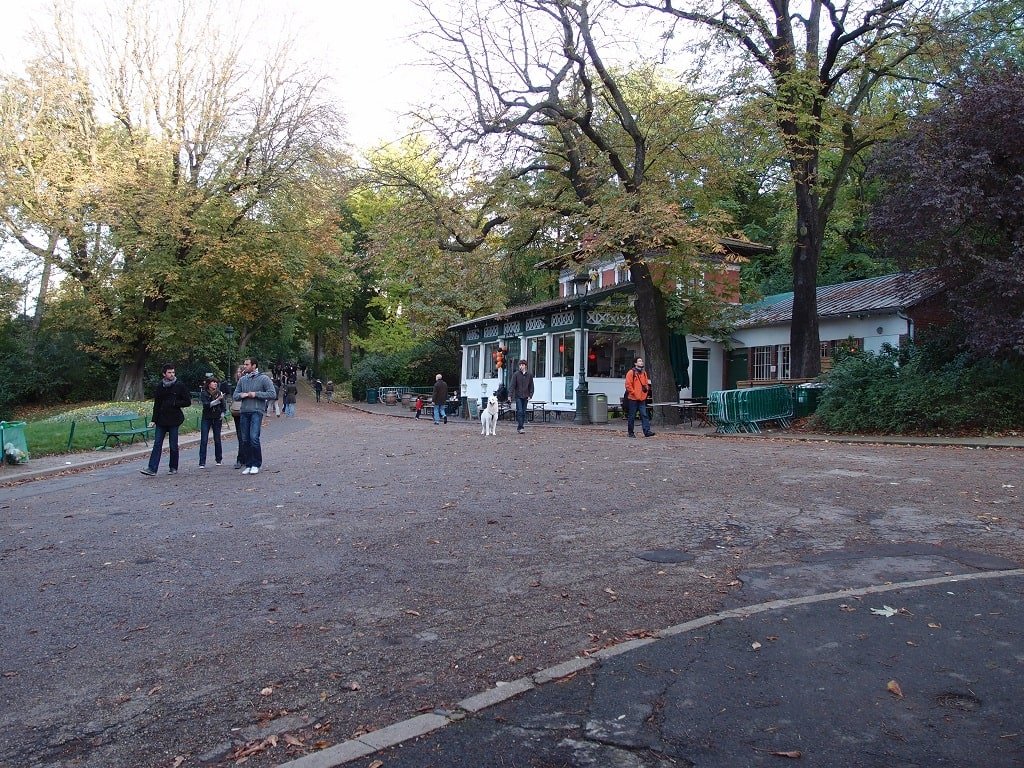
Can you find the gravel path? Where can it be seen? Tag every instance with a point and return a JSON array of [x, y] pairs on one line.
[[381, 567]]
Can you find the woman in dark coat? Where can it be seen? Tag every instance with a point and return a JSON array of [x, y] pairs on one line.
[[213, 401]]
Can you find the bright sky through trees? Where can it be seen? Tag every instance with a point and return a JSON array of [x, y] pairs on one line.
[[360, 45]]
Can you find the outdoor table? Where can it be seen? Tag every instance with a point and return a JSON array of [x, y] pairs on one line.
[[537, 407], [686, 411]]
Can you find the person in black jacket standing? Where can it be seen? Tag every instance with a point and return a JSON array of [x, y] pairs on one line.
[[169, 398], [214, 405]]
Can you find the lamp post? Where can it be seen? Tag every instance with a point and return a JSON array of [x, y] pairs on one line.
[[582, 282]]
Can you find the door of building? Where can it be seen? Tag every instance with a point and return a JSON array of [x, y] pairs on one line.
[[737, 367], [699, 366]]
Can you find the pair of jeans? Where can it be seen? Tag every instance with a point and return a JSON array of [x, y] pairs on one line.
[[158, 447], [633, 406], [208, 425], [439, 413], [249, 425], [289, 409], [521, 412]]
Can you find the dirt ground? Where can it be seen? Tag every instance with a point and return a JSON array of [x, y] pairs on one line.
[[380, 567]]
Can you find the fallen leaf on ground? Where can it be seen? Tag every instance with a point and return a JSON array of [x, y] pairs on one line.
[[266, 691], [376, 764], [755, 645], [792, 753], [411, 612], [885, 610], [894, 688]]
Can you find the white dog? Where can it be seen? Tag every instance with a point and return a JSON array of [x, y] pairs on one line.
[[489, 417]]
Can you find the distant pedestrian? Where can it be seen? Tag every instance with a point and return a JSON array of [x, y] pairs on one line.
[[521, 392], [169, 398], [254, 391], [318, 387], [214, 405], [290, 396], [330, 391], [440, 398], [638, 386], [419, 405], [279, 400]]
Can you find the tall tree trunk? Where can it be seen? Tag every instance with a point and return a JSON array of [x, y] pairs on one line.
[[316, 353], [346, 342], [130, 382], [653, 322], [44, 286], [804, 341]]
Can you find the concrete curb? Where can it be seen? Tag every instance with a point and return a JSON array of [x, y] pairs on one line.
[[395, 734], [71, 465]]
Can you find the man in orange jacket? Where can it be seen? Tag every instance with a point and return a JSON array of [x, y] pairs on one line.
[[638, 386]]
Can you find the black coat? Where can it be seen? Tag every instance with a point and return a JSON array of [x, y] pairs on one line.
[[168, 402]]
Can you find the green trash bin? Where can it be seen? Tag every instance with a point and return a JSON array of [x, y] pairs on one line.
[[599, 409], [800, 399], [371, 396], [13, 442], [813, 396], [805, 400]]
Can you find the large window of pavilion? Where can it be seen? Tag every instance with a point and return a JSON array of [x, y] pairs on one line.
[[536, 356], [564, 354], [491, 360], [611, 355], [473, 361]]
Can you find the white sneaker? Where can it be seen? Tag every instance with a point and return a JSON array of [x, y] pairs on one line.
[[247, 470], [254, 470]]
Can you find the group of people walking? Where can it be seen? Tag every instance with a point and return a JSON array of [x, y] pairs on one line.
[[248, 403]]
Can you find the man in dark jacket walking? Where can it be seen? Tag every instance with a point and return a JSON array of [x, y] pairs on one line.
[[521, 391], [440, 400], [170, 397]]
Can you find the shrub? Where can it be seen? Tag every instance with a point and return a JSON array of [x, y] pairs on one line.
[[415, 367], [928, 388]]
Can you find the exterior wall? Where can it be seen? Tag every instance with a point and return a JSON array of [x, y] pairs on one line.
[[834, 329], [724, 284]]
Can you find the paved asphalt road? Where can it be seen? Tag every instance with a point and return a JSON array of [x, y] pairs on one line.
[[382, 568]]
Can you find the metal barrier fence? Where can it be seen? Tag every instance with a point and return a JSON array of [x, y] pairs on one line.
[[380, 393], [744, 410]]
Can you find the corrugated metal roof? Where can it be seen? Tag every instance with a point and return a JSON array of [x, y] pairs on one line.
[[870, 296]]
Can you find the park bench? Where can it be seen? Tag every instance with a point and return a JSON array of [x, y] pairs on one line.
[[121, 426]]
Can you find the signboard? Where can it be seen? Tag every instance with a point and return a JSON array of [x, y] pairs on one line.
[[568, 387]]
